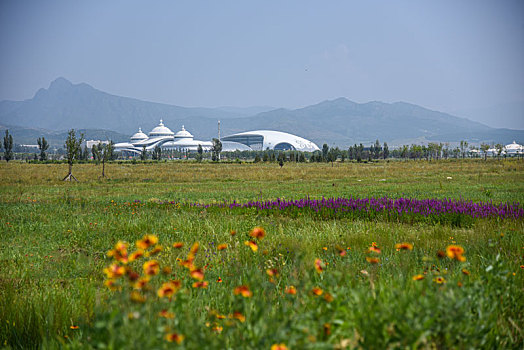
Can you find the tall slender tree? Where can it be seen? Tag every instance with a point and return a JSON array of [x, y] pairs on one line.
[[216, 149], [73, 146], [8, 146], [43, 146], [385, 152]]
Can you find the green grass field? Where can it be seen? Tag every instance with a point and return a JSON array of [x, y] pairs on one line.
[[56, 236]]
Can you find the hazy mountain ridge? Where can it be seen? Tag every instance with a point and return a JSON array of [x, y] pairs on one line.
[[337, 122]]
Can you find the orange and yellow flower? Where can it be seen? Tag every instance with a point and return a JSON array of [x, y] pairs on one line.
[[280, 346], [178, 245], [201, 284], [404, 246], [372, 260], [465, 272], [291, 290], [137, 297], [136, 255], [319, 265], [222, 246], [328, 297], [151, 267], [147, 241], [244, 291], [317, 291], [417, 277], [373, 249], [219, 280], [114, 271], [157, 249], [175, 337], [252, 244], [239, 316], [119, 252], [439, 280], [197, 274], [258, 233], [455, 252], [167, 290], [166, 314], [111, 284], [272, 272], [141, 283]]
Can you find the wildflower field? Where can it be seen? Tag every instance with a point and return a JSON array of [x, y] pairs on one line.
[[254, 256]]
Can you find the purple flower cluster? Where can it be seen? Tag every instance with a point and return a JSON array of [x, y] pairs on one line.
[[398, 206]]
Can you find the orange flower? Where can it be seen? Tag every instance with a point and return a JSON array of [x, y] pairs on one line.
[[258, 232], [404, 246], [151, 267], [455, 252], [328, 297], [166, 270], [137, 297], [439, 280], [372, 260], [280, 346], [244, 291], [178, 245], [119, 253], [374, 244], [74, 327], [220, 316], [114, 271], [147, 241], [141, 283], [188, 264], [317, 291], [197, 274], [166, 314], [167, 290], [373, 249], [202, 284], [327, 328], [319, 265], [252, 245], [222, 246], [238, 315], [136, 255], [111, 284], [272, 272], [194, 249], [341, 251], [466, 272], [217, 329], [174, 337], [232, 232], [417, 277], [441, 254], [157, 249], [219, 280], [291, 290], [132, 275]]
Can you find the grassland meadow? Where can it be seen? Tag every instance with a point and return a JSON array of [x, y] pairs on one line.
[[384, 255]]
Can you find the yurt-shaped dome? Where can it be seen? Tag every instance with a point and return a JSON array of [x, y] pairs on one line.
[[161, 130], [139, 136]]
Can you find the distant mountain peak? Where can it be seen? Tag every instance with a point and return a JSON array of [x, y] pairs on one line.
[[60, 83]]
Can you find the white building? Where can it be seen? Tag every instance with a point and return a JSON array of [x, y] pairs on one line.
[[162, 136], [514, 149]]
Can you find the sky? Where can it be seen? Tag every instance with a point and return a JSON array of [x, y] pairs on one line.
[[445, 55]]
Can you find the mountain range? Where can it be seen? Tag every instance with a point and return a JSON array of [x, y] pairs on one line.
[[340, 122]]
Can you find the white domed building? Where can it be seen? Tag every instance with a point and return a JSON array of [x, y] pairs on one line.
[[162, 136], [514, 149], [260, 140]]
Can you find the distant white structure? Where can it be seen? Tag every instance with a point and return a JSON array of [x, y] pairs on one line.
[[91, 143], [260, 140], [163, 137], [514, 149]]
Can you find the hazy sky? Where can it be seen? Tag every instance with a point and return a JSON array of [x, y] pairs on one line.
[[444, 55]]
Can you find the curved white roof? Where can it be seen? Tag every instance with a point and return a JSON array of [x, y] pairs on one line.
[[513, 146], [161, 130], [139, 135], [271, 138], [182, 134]]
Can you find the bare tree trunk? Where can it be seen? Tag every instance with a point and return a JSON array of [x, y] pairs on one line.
[[70, 175], [103, 167]]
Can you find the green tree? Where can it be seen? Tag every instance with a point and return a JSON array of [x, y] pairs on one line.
[[385, 152], [157, 153], [499, 148], [43, 146], [106, 154], [463, 148], [216, 149], [325, 151], [143, 154], [484, 147], [73, 147], [200, 153], [8, 146], [302, 158], [377, 149]]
